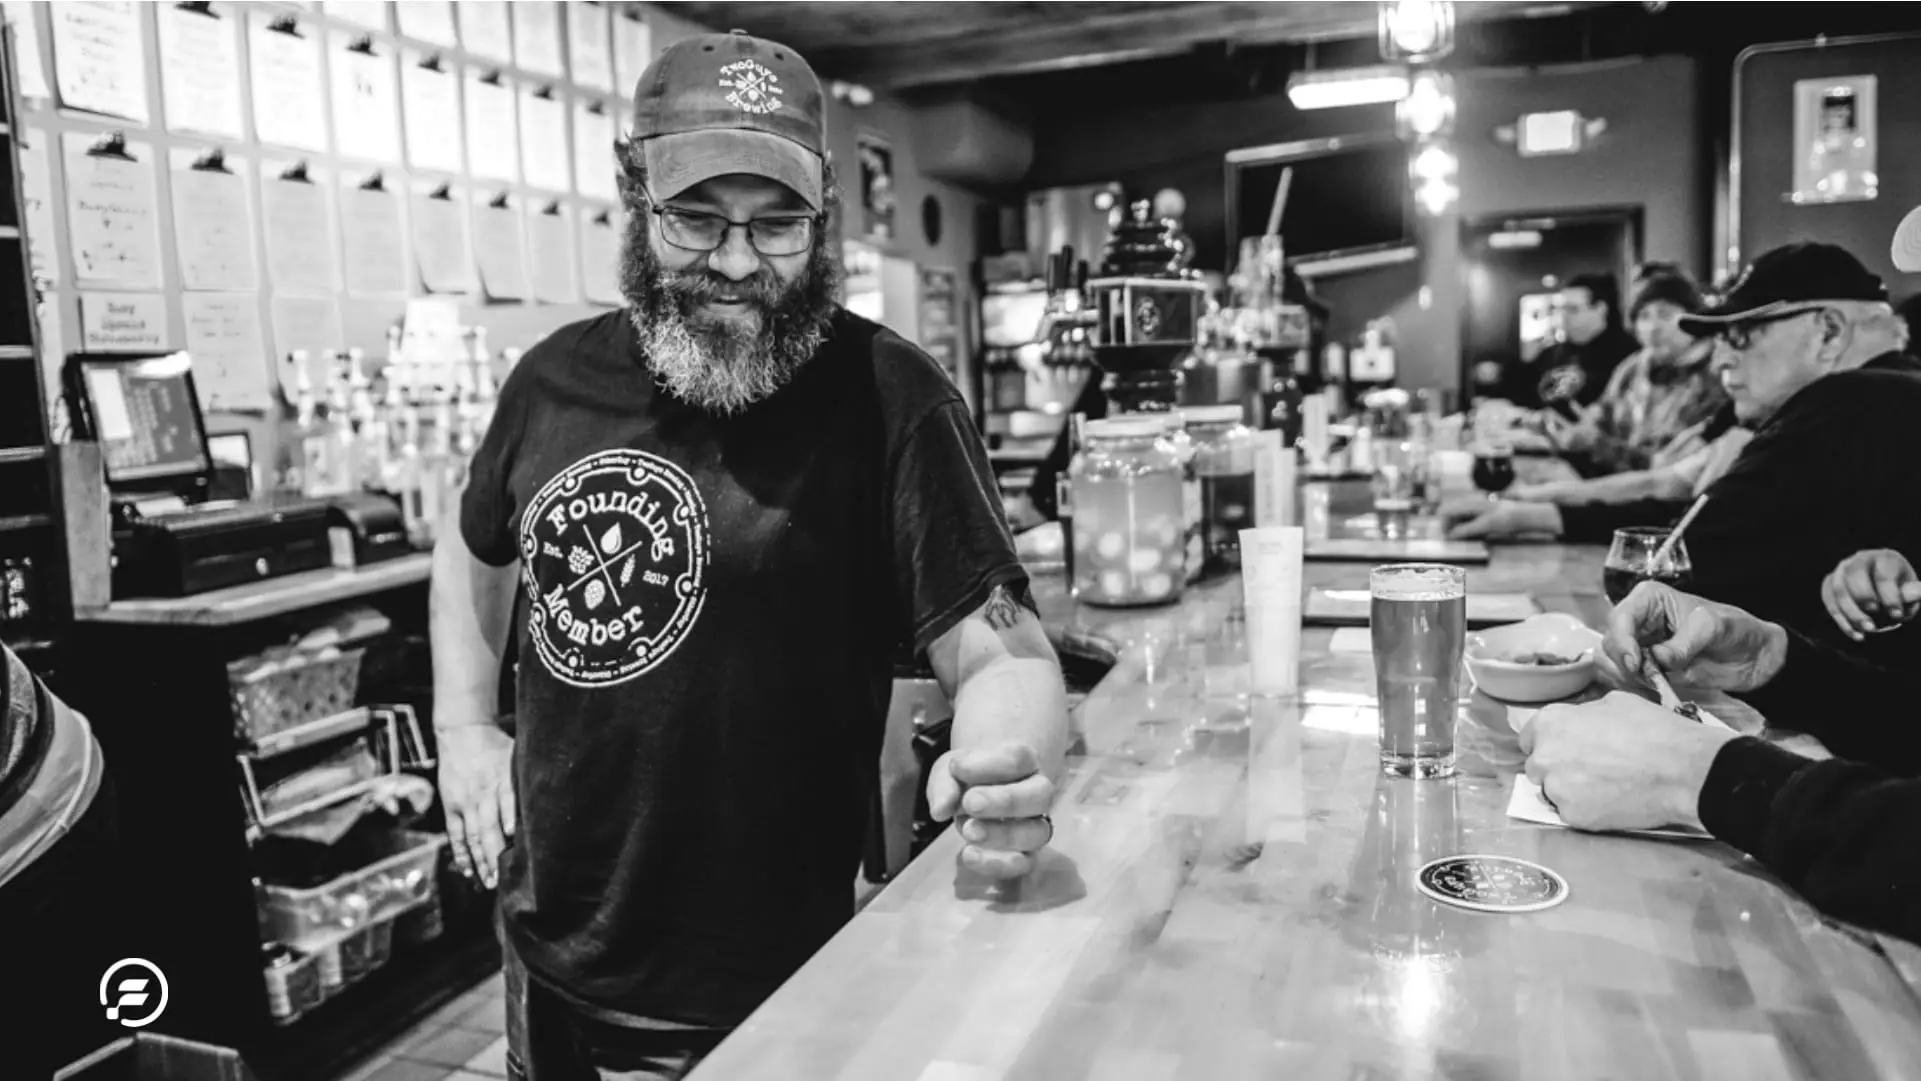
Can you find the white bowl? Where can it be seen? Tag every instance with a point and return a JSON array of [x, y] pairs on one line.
[[1490, 658]]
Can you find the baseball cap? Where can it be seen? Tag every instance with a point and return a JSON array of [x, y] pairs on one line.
[[1791, 278], [1906, 248], [718, 104]]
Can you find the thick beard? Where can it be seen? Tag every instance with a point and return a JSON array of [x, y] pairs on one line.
[[724, 365]]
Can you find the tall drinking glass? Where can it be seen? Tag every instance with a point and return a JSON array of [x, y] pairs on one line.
[[1418, 618]]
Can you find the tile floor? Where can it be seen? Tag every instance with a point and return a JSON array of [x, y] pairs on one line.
[[465, 1041]]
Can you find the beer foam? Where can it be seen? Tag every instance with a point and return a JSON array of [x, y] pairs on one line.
[[1437, 584]]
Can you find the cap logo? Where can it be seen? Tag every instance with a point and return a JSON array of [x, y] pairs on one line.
[[753, 89]]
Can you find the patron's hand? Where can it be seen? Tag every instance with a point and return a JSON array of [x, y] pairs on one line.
[[1621, 763], [1696, 642], [1001, 798], [1499, 519], [1870, 591], [477, 790]]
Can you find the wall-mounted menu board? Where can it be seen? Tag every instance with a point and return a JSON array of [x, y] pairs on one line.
[[212, 170]]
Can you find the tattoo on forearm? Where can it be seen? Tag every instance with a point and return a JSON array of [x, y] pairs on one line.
[[1001, 611]]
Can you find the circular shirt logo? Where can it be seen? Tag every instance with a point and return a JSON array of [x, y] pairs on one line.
[[1563, 384], [1147, 317], [753, 89], [615, 551]]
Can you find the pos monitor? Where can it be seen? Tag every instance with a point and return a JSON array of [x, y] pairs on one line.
[[145, 414]]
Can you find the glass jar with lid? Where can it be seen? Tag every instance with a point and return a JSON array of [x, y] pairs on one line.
[[1224, 463], [1129, 538]]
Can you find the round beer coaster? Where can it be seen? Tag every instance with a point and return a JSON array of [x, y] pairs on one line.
[[1492, 884]]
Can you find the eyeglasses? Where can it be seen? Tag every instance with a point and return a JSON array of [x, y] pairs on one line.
[[1740, 336], [693, 230]]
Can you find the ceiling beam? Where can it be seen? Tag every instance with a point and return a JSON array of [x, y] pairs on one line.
[[1109, 37]]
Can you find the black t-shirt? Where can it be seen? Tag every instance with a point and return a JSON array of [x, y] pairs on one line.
[[1570, 373], [708, 615]]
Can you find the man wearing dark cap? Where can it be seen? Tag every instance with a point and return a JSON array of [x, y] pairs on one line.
[[1811, 355], [711, 518]]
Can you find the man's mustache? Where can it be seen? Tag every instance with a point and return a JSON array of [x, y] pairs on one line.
[[694, 287]]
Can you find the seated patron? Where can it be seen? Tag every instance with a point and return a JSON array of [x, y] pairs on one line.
[[1662, 403], [1576, 371], [62, 905], [1839, 831], [1812, 356]]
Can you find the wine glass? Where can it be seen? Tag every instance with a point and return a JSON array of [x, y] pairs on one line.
[[1631, 561], [1493, 468]]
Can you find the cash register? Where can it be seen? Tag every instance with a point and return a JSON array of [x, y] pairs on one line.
[[169, 538]]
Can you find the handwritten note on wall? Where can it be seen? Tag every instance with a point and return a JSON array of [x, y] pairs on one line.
[[594, 151], [200, 70], [550, 239], [366, 98], [431, 100], [633, 48], [537, 37], [309, 323], [212, 228], [440, 238], [493, 140], [428, 20], [372, 235], [124, 322], [500, 249], [111, 211], [300, 244], [98, 64], [543, 138], [486, 30], [289, 106], [590, 46], [600, 256], [229, 349]]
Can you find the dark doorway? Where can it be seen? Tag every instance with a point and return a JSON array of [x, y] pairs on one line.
[[1513, 264]]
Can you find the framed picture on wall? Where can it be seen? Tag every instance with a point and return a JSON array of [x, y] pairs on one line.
[[1835, 139], [877, 196]]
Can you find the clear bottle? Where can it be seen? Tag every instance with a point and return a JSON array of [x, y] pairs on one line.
[[1128, 536], [310, 435], [1224, 450], [343, 447]]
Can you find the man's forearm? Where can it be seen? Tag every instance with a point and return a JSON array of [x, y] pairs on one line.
[[470, 606], [1014, 699]]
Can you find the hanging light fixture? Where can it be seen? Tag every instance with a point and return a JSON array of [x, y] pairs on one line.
[[1416, 31], [1428, 109], [1338, 87], [1432, 168]]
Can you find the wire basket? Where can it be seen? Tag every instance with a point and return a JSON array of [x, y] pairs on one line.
[[300, 690]]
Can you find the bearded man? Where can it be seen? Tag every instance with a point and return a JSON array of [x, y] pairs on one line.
[[724, 508]]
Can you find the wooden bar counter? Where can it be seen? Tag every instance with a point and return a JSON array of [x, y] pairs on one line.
[[1230, 894]]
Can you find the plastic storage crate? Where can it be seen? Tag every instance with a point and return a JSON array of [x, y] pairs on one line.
[[300, 689], [307, 919]]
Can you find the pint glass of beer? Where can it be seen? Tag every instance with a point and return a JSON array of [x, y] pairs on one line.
[[1418, 617]]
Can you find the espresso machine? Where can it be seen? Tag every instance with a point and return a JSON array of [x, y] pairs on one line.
[[1148, 307]]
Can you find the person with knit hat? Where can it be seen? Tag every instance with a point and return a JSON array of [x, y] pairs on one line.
[[1659, 403]]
